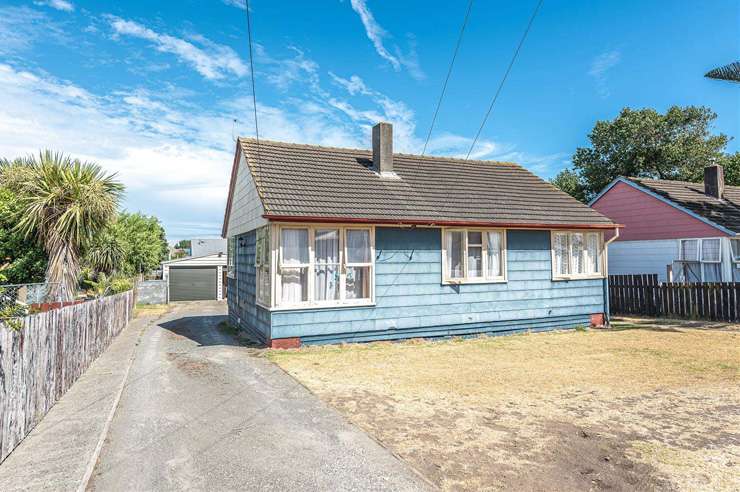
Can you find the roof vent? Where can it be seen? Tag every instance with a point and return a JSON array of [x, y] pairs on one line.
[[714, 181], [383, 149]]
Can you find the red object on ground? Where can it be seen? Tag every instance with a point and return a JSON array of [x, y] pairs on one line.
[[597, 319], [284, 343]]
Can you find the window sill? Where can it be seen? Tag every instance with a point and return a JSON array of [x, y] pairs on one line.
[[562, 278], [318, 307], [474, 282]]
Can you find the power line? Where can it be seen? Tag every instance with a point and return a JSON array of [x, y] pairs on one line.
[[506, 74], [254, 93], [449, 72]]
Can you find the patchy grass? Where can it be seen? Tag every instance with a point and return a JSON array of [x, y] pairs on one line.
[[151, 309], [628, 408]]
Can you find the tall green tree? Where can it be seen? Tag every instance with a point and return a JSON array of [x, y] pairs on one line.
[[143, 240], [63, 205], [647, 144], [22, 260]]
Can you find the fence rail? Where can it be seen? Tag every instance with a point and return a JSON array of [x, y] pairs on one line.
[[644, 295], [41, 360]]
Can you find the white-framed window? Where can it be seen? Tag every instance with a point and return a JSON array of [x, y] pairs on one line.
[[735, 253], [577, 254], [473, 256], [324, 265], [699, 260], [262, 263], [231, 257]]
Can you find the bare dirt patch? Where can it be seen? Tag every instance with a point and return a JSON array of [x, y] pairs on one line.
[[633, 408]]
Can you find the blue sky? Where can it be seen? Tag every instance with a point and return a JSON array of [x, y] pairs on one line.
[[151, 89]]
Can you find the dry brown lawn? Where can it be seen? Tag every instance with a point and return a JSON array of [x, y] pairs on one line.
[[639, 407]]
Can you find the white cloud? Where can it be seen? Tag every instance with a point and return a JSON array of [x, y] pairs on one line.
[[376, 33], [600, 65], [236, 3], [213, 61], [22, 27], [57, 4]]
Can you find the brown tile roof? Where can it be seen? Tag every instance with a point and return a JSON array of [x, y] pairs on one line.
[[725, 212], [308, 181]]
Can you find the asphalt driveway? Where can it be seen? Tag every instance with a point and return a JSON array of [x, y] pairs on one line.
[[202, 411]]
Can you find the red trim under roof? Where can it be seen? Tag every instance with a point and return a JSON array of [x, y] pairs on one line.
[[432, 222]]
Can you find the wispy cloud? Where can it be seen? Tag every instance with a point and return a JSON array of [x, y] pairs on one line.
[[599, 68], [22, 27], [236, 3], [57, 4], [213, 61], [376, 33]]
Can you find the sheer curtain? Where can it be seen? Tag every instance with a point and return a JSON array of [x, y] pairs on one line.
[[592, 253], [294, 266], [710, 257], [475, 254], [357, 283], [493, 254], [576, 253], [455, 253], [326, 246], [561, 254]]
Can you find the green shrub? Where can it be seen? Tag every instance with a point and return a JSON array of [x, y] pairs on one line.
[[121, 284]]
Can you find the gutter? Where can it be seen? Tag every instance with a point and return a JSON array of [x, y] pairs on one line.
[[433, 222], [607, 314]]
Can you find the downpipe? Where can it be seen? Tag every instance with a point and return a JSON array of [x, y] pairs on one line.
[[607, 313]]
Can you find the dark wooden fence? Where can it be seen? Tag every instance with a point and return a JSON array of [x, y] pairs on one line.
[[644, 295], [41, 360]]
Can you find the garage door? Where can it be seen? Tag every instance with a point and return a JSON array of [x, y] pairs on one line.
[[193, 284]]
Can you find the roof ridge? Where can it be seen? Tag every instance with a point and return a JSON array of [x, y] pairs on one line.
[[400, 154], [632, 178]]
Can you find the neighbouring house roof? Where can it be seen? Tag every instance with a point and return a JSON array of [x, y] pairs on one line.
[[314, 183], [724, 212], [207, 260]]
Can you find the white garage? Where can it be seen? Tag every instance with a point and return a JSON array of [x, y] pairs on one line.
[[196, 278]]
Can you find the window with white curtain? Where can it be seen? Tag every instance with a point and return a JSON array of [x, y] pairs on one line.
[[294, 265], [700, 260], [231, 257], [359, 264], [474, 255], [262, 261], [577, 254], [324, 266], [735, 252]]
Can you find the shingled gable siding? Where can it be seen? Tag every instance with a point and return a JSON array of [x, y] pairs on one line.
[[246, 207], [645, 217], [412, 302], [243, 310]]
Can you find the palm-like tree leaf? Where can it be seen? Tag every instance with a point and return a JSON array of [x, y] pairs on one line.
[[65, 204], [728, 72]]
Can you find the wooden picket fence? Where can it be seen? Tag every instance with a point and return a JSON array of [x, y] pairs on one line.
[[644, 295], [41, 360]]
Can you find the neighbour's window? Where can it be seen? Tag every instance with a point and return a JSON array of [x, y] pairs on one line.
[[699, 260], [474, 255], [735, 249], [577, 254], [325, 266], [231, 257], [262, 262]]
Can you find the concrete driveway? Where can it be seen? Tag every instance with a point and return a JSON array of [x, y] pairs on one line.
[[202, 411]]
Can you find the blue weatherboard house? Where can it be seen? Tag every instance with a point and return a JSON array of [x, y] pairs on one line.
[[330, 245]]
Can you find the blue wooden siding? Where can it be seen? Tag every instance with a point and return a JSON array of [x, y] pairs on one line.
[[243, 310], [411, 300]]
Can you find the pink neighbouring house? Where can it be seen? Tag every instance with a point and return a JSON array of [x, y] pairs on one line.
[[679, 230]]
